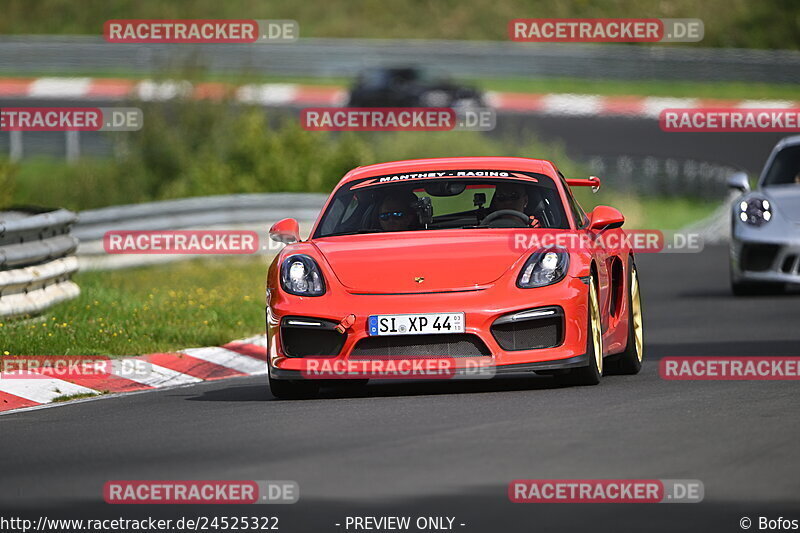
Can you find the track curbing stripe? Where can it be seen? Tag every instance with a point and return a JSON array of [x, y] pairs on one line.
[[275, 94], [42, 390], [194, 365], [228, 358]]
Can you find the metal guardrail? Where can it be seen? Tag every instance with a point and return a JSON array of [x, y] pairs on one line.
[[663, 177], [254, 212], [198, 212], [345, 57], [35, 260]]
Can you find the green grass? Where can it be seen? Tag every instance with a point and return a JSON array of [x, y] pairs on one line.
[[78, 396], [149, 309], [651, 212], [728, 23]]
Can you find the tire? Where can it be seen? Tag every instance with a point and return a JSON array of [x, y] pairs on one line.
[[629, 362], [754, 288], [287, 389], [741, 288], [344, 384], [590, 374]]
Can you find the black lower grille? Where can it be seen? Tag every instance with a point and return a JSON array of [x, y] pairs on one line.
[[787, 267], [304, 340], [529, 334], [758, 257], [422, 346]]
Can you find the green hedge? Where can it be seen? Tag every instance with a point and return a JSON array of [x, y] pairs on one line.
[[728, 23], [197, 149]]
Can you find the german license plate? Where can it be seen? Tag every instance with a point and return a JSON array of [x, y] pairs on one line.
[[416, 324]]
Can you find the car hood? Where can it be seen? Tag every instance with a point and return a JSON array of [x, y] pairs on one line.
[[786, 199], [415, 262]]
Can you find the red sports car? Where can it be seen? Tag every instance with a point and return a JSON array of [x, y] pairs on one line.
[[456, 264]]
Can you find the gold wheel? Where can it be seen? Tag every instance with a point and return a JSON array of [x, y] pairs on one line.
[[636, 316], [597, 328]]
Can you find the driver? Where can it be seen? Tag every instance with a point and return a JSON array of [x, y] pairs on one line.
[[511, 196], [396, 212]]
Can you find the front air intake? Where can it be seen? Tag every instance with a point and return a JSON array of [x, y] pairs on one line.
[[530, 330], [304, 337]]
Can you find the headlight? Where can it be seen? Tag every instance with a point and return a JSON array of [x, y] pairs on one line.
[[300, 276], [755, 211], [544, 267]]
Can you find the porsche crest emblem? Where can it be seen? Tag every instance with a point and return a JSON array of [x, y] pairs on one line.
[[419, 279]]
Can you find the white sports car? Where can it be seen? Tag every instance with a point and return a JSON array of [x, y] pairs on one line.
[[765, 231]]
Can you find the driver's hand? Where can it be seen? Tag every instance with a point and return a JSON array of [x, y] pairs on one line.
[[534, 222]]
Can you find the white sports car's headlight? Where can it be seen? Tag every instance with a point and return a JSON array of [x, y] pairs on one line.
[[755, 211], [300, 275], [544, 267]]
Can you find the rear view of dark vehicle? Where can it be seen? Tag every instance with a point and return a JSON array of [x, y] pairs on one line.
[[410, 87]]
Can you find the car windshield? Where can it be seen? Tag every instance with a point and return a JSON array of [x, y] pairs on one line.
[[420, 201], [785, 168]]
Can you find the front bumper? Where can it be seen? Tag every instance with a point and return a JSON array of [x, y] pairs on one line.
[[482, 308], [765, 260], [485, 371]]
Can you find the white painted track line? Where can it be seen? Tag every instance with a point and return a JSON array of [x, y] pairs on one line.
[[41, 390], [229, 359], [162, 377]]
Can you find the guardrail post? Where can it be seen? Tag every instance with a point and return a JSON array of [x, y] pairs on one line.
[[73, 146], [15, 146]]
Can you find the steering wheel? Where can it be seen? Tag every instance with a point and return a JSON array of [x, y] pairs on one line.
[[491, 217]]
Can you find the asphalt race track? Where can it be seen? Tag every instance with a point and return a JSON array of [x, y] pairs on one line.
[[610, 136], [451, 448]]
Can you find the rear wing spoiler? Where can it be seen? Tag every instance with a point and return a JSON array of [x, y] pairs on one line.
[[591, 181]]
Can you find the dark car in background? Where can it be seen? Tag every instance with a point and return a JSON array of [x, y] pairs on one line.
[[410, 87]]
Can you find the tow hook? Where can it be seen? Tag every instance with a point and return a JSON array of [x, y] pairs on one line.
[[345, 324]]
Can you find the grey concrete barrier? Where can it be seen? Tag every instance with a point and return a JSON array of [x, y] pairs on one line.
[[346, 57]]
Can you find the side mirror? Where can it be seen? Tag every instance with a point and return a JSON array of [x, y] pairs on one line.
[[605, 217], [286, 231], [739, 181]]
